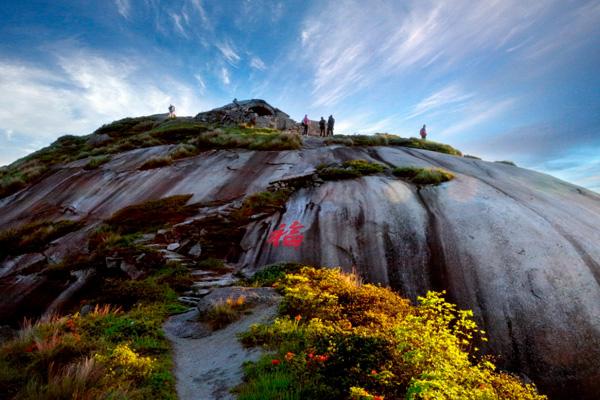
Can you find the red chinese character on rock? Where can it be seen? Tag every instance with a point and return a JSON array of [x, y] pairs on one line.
[[291, 238], [276, 235]]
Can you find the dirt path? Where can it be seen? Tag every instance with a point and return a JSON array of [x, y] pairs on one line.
[[207, 368]]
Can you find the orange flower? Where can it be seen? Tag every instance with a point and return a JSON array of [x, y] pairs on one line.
[[322, 358], [70, 324], [275, 362], [310, 355], [378, 398], [31, 348], [289, 356], [298, 318], [373, 372]]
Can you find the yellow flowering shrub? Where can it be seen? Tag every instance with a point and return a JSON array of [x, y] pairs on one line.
[[124, 361], [337, 338]]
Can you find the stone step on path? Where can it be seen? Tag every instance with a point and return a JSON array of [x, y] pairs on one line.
[[220, 281]]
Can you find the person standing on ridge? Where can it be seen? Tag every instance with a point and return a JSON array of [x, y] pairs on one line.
[[322, 127], [330, 123], [423, 132], [305, 123], [171, 111]]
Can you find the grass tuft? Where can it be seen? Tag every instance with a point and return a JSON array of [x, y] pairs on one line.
[[507, 162], [96, 162], [152, 214], [384, 139], [34, 236], [349, 170], [156, 162], [424, 176], [225, 312]]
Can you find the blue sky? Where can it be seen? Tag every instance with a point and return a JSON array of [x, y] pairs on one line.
[[505, 79]]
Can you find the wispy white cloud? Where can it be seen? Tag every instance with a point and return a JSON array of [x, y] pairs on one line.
[[257, 63], [83, 91], [201, 83], [228, 51], [478, 114], [197, 5], [123, 7], [449, 95], [349, 52], [177, 23], [225, 76]]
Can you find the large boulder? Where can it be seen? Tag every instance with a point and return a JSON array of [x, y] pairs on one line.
[[518, 247]]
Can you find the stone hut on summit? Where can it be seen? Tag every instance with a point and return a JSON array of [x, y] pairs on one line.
[[253, 112]]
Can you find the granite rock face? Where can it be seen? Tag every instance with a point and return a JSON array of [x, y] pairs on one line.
[[255, 112], [518, 247]]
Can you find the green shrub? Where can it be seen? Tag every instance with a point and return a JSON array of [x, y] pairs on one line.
[[470, 156], [183, 151], [126, 127], [177, 131], [332, 173], [269, 274], [357, 140], [507, 162], [156, 162], [127, 292], [424, 176], [12, 184], [262, 202], [152, 214], [364, 167], [96, 162], [34, 236], [248, 138], [349, 170], [384, 139], [424, 145]]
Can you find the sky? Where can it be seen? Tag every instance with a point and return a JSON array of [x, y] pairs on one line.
[[500, 79]]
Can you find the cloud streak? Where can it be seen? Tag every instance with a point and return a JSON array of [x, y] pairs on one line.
[[123, 7], [228, 52], [83, 91]]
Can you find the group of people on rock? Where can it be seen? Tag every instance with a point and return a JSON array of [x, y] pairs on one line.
[[306, 123], [322, 124]]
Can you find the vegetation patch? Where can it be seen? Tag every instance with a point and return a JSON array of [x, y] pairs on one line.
[[269, 274], [183, 150], [225, 312], [96, 162], [30, 168], [262, 202], [127, 127], [248, 138], [507, 162], [152, 214], [336, 338], [34, 236], [423, 176], [349, 170], [473, 157], [105, 354], [212, 264], [384, 139], [156, 162]]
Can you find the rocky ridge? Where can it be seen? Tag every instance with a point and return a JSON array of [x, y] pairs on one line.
[[516, 246]]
